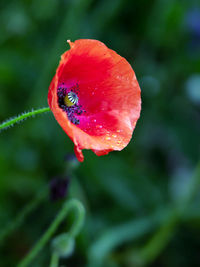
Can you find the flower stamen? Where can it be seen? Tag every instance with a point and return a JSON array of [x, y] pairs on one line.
[[68, 101]]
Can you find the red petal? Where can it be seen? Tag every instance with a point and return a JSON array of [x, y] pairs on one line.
[[108, 91], [78, 153]]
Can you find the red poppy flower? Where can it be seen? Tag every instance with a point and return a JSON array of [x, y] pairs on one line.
[[95, 97]]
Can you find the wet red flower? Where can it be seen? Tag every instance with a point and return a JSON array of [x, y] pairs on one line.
[[95, 97]]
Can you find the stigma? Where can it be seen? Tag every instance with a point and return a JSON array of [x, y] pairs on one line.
[[70, 99]]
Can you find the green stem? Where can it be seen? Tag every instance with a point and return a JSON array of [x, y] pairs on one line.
[[72, 204], [160, 239], [193, 189], [54, 260], [163, 236], [10, 122], [22, 215]]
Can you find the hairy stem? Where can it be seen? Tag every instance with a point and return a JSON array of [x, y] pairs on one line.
[[11, 122]]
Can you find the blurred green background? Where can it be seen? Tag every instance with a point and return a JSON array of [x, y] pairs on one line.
[[143, 203]]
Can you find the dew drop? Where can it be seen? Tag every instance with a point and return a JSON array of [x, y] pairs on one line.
[[99, 126], [119, 143], [107, 138]]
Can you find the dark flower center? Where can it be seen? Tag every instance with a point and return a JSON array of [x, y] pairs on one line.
[[69, 102]]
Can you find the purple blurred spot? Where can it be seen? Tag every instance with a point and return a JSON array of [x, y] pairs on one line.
[[70, 157], [193, 21], [58, 188], [71, 161]]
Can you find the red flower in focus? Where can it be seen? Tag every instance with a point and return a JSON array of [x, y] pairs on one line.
[[95, 97]]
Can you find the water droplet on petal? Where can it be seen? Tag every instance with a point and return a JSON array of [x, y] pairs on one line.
[[99, 126]]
